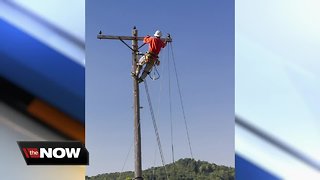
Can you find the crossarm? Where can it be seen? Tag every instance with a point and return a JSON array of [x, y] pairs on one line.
[[101, 36]]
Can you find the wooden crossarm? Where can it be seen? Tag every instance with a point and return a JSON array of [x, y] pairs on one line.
[[101, 36]]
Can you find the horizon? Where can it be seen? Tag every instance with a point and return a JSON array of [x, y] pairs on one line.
[[149, 168]]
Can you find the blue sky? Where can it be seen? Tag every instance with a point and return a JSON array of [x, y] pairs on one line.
[[203, 35]]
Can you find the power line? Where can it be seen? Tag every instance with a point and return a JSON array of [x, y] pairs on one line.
[[180, 95], [125, 162], [170, 107]]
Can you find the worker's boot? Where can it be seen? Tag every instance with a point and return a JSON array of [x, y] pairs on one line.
[[140, 80], [138, 70], [143, 76]]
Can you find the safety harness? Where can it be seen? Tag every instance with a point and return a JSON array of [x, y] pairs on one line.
[[152, 58]]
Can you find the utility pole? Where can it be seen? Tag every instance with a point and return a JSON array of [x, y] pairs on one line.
[[136, 101], [136, 107]]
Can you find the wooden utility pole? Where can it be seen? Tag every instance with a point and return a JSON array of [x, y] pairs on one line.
[[136, 107], [136, 102]]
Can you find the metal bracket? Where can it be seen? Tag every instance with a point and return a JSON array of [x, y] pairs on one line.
[[126, 44], [141, 45]]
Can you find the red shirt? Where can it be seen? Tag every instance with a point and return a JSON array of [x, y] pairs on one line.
[[155, 44]]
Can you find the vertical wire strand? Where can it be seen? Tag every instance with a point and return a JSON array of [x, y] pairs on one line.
[[181, 101]]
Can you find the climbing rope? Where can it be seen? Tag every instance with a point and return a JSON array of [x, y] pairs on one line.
[[155, 128], [180, 95], [158, 116]]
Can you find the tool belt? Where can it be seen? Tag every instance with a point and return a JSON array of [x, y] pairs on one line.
[[151, 57]]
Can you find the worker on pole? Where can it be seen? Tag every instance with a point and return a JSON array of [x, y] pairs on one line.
[[150, 58]]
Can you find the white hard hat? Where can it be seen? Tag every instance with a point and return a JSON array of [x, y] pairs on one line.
[[158, 33]]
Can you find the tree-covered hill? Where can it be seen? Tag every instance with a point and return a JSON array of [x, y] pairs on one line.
[[183, 169]]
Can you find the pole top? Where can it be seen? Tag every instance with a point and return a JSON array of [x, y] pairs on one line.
[[135, 31]]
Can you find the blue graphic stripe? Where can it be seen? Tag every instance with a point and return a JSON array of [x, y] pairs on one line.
[[245, 170], [42, 71]]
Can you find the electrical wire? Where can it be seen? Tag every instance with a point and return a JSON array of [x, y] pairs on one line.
[[181, 102]]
